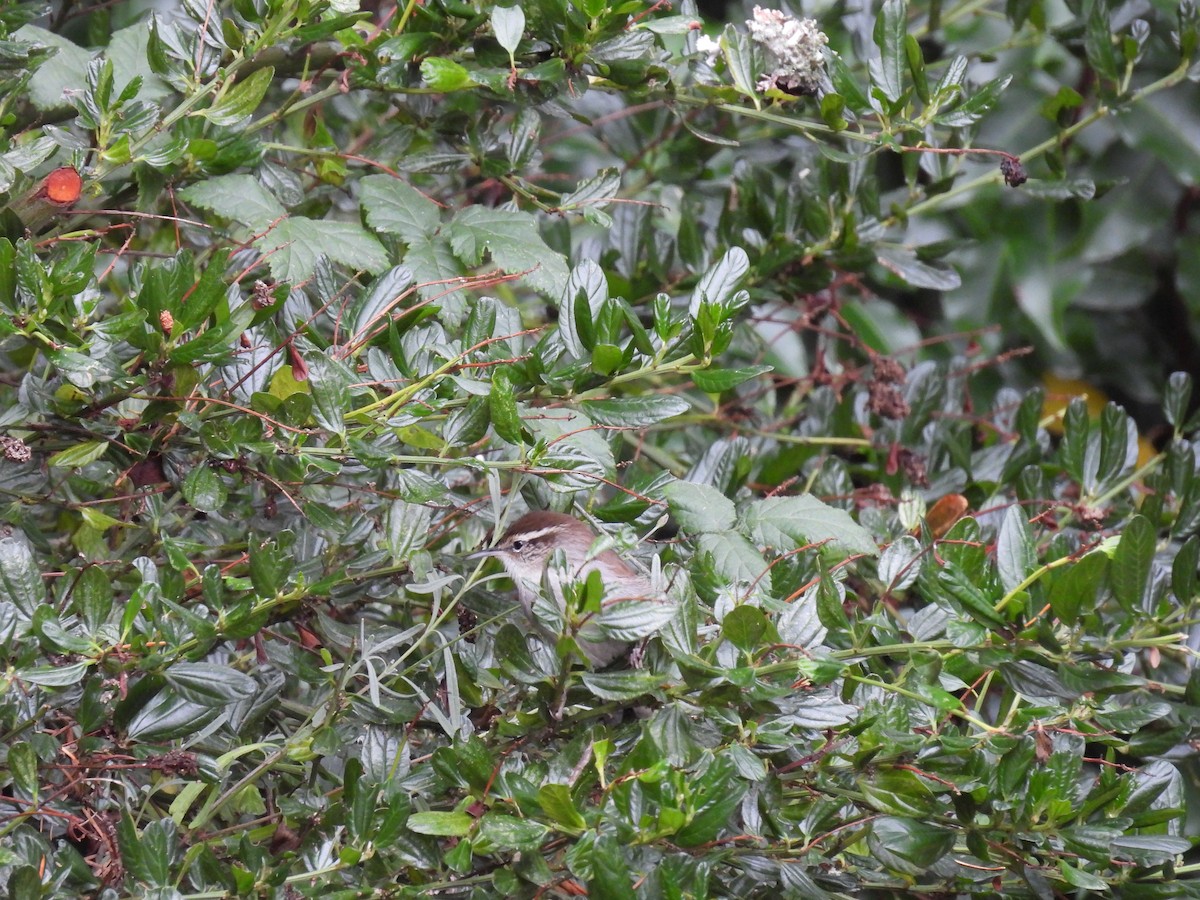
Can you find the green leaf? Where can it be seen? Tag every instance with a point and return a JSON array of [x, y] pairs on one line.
[[905, 264], [718, 284], [79, 455], [169, 716], [330, 380], [396, 207], [593, 192], [242, 100], [1183, 570], [968, 596], [556, 802], [1177, 398], [700, 508], [734, 557], [510, 832], [441, 824], [237, 198], [210, 685], [611, 877], [502, 406], [635, 412], [621, 686], [745, 627], [717, 381], [512, 240], [830, 603], [891, 27], [787, 522], [1016, 555], [1078, 589], [293, 247], [909, 845], [508, 24], [204, 489], [55, 676], [632, 619], [445, 75], [1130, 569], [582, 300]]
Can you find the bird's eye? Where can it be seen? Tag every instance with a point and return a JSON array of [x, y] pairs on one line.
[[517, 545]]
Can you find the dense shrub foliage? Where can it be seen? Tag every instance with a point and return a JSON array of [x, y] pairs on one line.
[[298, 301]]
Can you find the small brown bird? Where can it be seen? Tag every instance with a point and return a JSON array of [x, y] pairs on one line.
[[525, 551]]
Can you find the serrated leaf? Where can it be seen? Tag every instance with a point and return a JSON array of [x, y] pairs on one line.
[[734, 557], [745, 627], [396, 207], [242, 100], [238, 198], [786, 522], [513, 241], [632, 619], [330, 380], [293, 247], [699, 507]]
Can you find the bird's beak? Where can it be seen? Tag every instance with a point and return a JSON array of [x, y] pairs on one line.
[[483, 554]]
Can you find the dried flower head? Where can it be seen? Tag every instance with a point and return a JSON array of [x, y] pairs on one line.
[[795, 48], [15, 449]]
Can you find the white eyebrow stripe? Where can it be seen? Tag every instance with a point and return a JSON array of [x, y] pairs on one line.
[[534, 535]]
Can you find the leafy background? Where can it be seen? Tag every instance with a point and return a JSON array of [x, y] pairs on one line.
[[347, 287]]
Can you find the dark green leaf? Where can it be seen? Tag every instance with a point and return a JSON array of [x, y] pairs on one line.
[[716, 381], [1130, 567]]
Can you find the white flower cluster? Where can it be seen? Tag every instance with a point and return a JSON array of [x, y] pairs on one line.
[[794, 46]]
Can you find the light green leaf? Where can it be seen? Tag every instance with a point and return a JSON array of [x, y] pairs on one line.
[[512, 239], [508, 24], [242, 100], [63, 71], [204, 489], [904, 263], [699, 507], [719, 283], [635, 412], [734, 557], [238, 198], [595, 191], [445, 75], [295, 245], [396, 207], [441, 824], [785, 522], [79, 455]]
